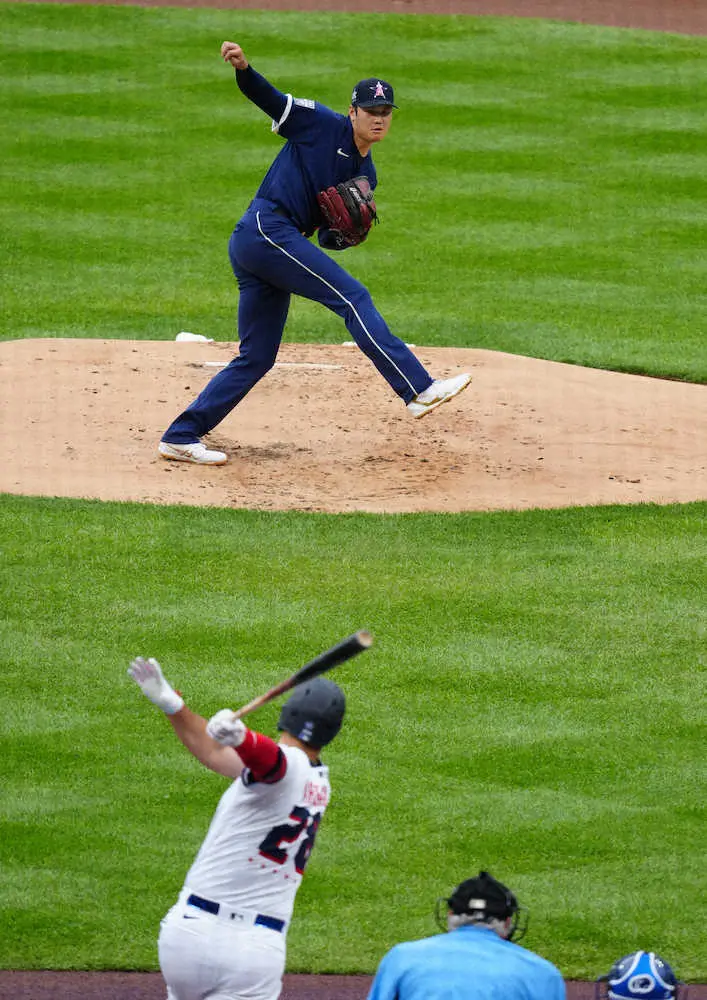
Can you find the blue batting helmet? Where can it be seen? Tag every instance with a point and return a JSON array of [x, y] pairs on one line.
[[642, 975], [314, 713]]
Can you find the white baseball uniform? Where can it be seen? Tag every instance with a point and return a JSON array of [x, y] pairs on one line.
[[224, 939]]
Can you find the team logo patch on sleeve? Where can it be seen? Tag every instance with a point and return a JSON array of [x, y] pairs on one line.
[[304, 102]]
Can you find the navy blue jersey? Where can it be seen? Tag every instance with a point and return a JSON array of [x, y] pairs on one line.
[[319, 152]]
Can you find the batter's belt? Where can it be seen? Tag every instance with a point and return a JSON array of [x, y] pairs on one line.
[[237, 916]]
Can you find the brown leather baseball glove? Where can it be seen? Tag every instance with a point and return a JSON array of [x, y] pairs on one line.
[[348, 211]]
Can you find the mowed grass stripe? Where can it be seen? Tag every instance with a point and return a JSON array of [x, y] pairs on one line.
[[533, 704], [542, 191]]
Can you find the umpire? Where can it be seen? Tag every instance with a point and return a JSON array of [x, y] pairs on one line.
[[476, 960], [273, 258]]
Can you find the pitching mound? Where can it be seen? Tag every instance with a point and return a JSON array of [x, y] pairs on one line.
[[323, 432]]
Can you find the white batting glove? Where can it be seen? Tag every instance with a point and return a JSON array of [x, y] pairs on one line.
[[148, 675], [226, 729]]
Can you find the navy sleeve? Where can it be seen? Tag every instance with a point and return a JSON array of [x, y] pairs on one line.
[[305, 121], [262, 93], [294, 118]]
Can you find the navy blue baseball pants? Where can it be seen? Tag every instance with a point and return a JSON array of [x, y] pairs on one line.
[[272, 261]]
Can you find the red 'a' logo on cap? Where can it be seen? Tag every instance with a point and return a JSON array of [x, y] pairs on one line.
[[379, 90]]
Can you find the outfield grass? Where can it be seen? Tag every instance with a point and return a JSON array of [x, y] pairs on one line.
[[542, 190], [533, 704]]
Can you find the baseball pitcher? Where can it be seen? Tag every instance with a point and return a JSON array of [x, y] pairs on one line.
[[224, 939], [322, 181]]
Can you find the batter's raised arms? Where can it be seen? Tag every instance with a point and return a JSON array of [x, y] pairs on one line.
[[225, 936], [322, 181]]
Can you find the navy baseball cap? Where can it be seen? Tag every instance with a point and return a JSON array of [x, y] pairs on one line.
[[372, 93]]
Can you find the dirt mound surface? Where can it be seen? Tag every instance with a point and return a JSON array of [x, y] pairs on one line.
[[323, 431]]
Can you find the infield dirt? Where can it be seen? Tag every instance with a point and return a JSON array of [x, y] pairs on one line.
[[323, 432]]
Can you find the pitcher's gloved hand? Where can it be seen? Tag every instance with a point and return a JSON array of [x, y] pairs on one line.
[[226, 729], [348, 212], [148, 675]]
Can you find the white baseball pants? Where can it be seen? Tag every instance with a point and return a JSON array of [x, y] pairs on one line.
[[203, 957]]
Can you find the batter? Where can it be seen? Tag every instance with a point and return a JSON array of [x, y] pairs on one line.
[[224, 939], [272, 256]]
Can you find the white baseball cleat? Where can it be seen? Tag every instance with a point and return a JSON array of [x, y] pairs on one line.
[[437, 393], [195, 452]]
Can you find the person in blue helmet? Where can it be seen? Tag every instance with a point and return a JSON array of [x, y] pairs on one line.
[[476, 959], [642, 975], [224, 937], [273, 257]]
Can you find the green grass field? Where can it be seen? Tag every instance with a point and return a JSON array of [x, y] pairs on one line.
[[534, 703], [542, 190]]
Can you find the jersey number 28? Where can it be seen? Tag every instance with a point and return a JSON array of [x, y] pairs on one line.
[[281, 840]]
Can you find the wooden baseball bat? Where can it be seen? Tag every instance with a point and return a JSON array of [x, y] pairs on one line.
[[340, 653]]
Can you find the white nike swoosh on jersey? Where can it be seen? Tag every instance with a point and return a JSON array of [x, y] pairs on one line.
[[342, 153]]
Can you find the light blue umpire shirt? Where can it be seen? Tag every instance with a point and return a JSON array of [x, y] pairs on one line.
[[469, 963]]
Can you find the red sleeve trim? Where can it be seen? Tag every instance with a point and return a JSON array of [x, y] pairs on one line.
[[263, 757]]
